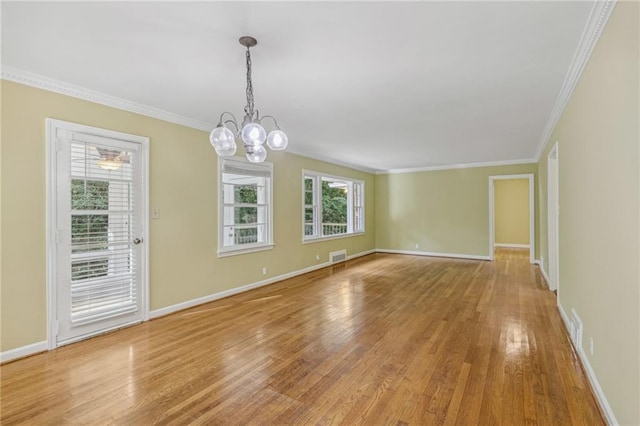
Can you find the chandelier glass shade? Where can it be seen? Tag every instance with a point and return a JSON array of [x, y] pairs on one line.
[[251, 131]]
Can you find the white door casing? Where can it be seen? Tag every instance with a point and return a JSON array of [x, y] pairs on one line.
[[97, 203], [553, 213]]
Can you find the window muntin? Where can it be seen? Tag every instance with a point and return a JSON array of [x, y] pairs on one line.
[[332, 206], [245, 217]]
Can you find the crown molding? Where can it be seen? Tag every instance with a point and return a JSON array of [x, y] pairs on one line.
[[458, 166], [41, 82], [364, 169], [598, 18], [45, 83]]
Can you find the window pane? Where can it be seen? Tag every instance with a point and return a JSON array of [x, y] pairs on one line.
[[308, 198], [309, 216], [334, 207], [357, 219], [246, 194], [89, 232], [240, 236], [358, 211], [308, 191], [85, 269], [246, 215], [89, 195], [308, 184], [246, 236]]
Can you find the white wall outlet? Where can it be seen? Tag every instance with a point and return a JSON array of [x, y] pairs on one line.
[[264, 270], [155, 214], [317, 257], [417, 245], [591, 345]]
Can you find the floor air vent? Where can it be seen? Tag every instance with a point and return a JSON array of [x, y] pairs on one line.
[[338, 256]]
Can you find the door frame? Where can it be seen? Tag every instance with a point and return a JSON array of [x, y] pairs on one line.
[[532, 241], [554, 276], [51, 170]]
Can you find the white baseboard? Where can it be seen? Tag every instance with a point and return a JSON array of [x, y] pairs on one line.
[[512, 245], [434, 254], [156, 313], [362, 253], [23, 351], [591, 375]]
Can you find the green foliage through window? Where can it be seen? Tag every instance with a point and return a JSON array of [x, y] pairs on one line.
[[334, 204], [89, 232]]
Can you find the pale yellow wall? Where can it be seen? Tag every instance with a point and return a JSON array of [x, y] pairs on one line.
[[183, 185], [444, 211], [599, 229], [511, 211]]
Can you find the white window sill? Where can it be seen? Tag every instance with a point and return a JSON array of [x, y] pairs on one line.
[[331, 237], [236, 251]]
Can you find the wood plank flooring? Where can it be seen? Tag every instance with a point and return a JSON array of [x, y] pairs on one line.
[[384, 339]]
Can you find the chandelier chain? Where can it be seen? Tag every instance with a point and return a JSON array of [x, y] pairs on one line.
[[248, 109]]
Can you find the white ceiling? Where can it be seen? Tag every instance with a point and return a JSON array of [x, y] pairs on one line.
[[378, 85]]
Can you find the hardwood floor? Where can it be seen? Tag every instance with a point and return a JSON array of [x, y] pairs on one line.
[[384, 339]]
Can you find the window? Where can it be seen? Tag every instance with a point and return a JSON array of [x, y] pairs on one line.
[[245, 216], [333, 206]]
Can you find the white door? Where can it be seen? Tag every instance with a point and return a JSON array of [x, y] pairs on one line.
[[552, 217], [99, 211]]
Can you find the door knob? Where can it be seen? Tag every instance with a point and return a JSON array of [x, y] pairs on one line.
[[137, 241]]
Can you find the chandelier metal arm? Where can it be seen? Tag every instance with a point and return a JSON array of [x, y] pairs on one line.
[[234, 125], [275, 123], [232, 116]]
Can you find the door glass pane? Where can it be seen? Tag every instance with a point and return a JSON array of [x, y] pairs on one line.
[[103, 260], [89, 232]]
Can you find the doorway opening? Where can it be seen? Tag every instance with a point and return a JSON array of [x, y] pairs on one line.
[[511, 213]]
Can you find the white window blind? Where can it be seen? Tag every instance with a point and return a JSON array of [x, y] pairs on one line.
[[103, 263]]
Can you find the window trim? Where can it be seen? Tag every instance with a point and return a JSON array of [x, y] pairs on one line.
[[245, 248], [318, 204]]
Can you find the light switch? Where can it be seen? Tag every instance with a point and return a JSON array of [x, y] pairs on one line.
[[155, 214]]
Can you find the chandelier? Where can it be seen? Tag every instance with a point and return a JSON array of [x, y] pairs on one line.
[[251, 132]]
